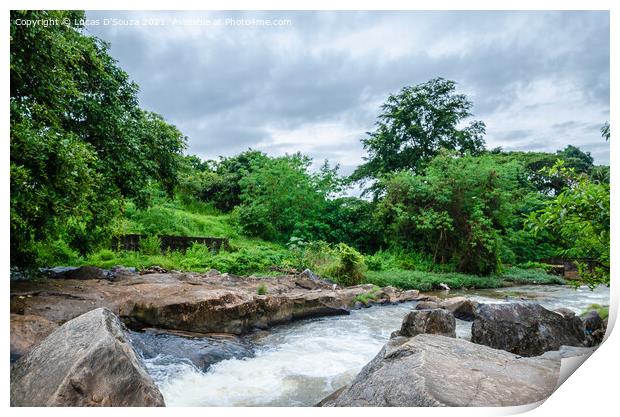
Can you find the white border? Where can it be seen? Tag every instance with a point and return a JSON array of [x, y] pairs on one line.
[[592, 390]]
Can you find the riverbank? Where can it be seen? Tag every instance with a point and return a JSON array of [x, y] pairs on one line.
[[189, 302], [298, 362]]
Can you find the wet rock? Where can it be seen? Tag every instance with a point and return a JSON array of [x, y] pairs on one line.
[[525, 328], [202, 350], [87, 361], [57, 272], [79, 273], [462, 308], [120, 273], [26, 332], [435, 321], [433, 370]]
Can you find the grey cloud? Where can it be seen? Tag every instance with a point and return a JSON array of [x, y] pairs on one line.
[[228, 89]]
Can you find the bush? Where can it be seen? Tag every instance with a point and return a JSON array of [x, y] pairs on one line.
[[262, 289], [150, 245], [56, 253], [349, 270]]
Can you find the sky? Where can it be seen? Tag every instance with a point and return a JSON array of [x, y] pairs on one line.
[[314, 81]]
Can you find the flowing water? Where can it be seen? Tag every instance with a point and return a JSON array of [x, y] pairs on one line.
[[300, 363]]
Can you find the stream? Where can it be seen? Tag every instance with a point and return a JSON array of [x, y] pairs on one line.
[[300, 363]]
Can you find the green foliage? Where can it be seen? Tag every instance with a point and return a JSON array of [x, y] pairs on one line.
[[457, 212], [262, 289], [575, 158], [281, 199], [415, 124], [150, 245], [401, 259], [366, 298], [218, 182], [80, 144], [580, 218], [428, 281], [602, 311], [350, 267], [530, 276]]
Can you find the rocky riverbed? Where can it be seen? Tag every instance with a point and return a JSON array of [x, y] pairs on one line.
[[186, 302], [208, 339]]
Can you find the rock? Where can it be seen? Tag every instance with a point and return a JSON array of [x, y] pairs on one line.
[[81, 273], [202, 303], [27, 331], [58, 272], [310, 275], [565, 312], [203, 350], [119, 273], [524, 328], [427, 305], [153, 270], [433, 370], [462, 308], [88, 361], [435, 321], [594, 328], [568, 352]]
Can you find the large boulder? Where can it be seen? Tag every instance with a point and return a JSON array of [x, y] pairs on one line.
[[88, 361], [432, 370], [436, 321], [526, 329], [27, 331]]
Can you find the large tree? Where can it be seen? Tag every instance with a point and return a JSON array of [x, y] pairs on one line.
[[458, 211], [415, 124], [80, 144]]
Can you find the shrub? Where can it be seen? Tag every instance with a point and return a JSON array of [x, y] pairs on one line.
[[150, 245], [262, 289], [349, 270]]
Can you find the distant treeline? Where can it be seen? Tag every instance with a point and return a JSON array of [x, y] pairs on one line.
[[82, 148]]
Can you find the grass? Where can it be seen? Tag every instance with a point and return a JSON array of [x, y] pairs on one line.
[[367, 297], [262, 289], [428, 281]]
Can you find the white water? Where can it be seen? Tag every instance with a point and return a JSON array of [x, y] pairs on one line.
[[301, 363]]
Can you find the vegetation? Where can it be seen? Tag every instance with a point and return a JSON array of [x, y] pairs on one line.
[[262, 289], [88, 164], [80, 145], [602, 311]]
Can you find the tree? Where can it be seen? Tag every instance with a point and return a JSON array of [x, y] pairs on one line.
[[415, 124], [80, 144], [580, 218], [458, 211], [581, 162], [281, 198]]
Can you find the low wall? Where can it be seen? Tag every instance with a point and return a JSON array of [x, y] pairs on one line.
[[181, 243]]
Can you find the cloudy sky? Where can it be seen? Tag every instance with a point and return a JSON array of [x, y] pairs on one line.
[[539, 80]]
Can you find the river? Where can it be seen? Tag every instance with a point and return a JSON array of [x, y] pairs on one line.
[[300, 363]]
